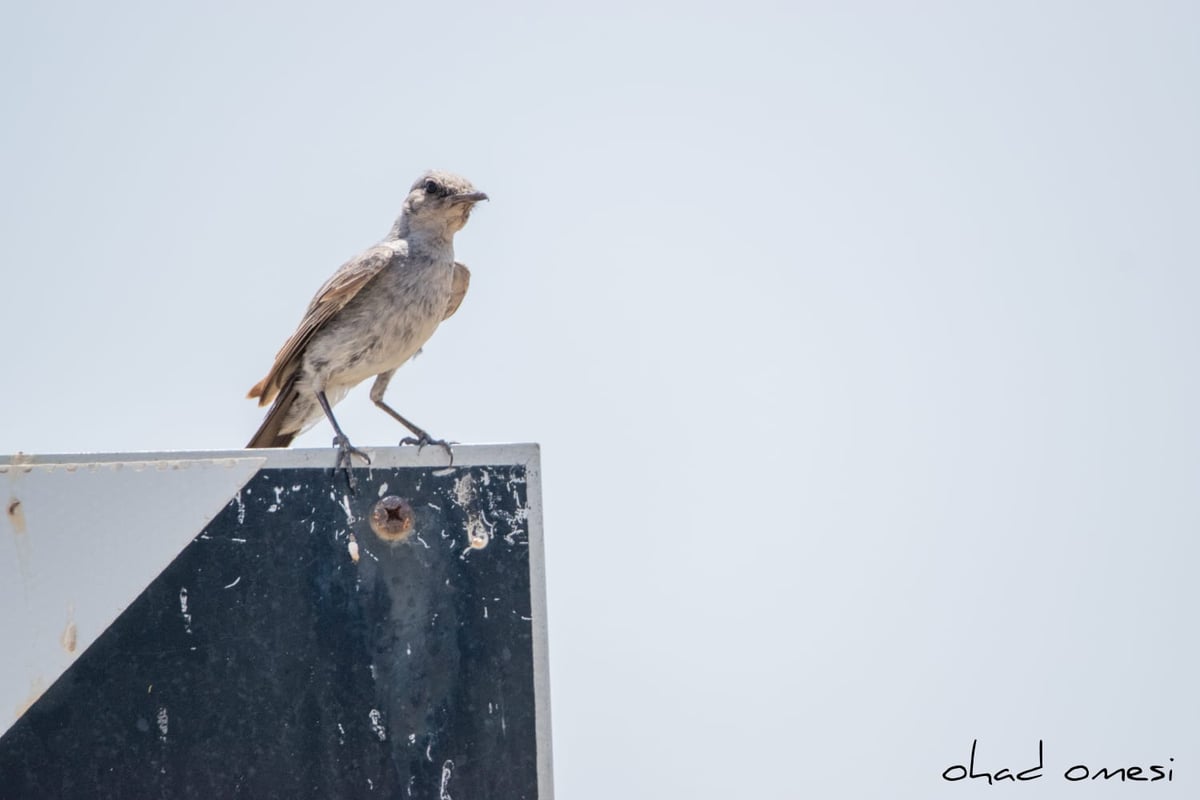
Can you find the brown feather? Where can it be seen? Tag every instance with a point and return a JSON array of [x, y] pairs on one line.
[[268, 434], [458, 289], [257, 390], [330, 299]]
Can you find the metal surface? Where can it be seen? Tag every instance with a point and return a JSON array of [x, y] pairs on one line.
[[81, 539], [289, 651]]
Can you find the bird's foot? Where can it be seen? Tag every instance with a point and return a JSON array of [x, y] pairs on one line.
[[345, 459], [423, 440]]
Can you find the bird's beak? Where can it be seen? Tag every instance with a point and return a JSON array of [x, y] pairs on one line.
[[469, 197]]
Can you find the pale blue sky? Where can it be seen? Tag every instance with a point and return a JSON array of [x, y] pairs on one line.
[[859, 339]]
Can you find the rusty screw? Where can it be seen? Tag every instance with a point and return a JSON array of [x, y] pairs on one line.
[[392, 519]]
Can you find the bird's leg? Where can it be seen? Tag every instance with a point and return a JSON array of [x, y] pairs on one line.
[[342, 443], [422, 438]]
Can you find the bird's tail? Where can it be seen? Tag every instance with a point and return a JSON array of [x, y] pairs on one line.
[[269, 434]]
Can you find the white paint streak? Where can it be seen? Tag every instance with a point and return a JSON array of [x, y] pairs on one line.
[[447, 771], [236, 581], [241, 508], [183, 609], [464, 490], [377, 724]]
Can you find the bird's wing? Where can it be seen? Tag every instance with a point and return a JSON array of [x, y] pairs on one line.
[[330, 299], [458, 289]]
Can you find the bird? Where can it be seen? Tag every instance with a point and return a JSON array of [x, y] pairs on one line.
[[374, 314]]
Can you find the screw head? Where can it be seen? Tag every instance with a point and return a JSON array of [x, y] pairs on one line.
[[392, 519]]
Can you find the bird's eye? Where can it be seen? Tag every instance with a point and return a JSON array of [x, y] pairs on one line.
[[432, 187]]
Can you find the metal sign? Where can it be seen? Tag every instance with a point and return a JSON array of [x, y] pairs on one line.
[[226, 625]]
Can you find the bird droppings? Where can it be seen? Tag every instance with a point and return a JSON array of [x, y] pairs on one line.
[[352, 548], [479, 529], [447, 772], [479, 532]]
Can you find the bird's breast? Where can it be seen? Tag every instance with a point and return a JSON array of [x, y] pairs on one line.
[[384, 325]]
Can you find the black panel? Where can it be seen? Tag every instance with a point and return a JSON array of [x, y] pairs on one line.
[[295, 672]]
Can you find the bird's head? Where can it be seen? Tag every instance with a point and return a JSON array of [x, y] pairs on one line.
[[439, 204]]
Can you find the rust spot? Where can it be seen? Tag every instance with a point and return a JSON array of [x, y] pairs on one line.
[[16, 515], [392, 519], [36, 687]]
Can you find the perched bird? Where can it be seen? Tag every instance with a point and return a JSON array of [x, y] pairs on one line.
[[373, 315]]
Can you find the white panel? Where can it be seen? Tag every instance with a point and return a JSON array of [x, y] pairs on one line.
[[80, 541]]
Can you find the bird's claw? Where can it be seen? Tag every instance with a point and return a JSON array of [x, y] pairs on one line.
[[422, 441], [345, 459]]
